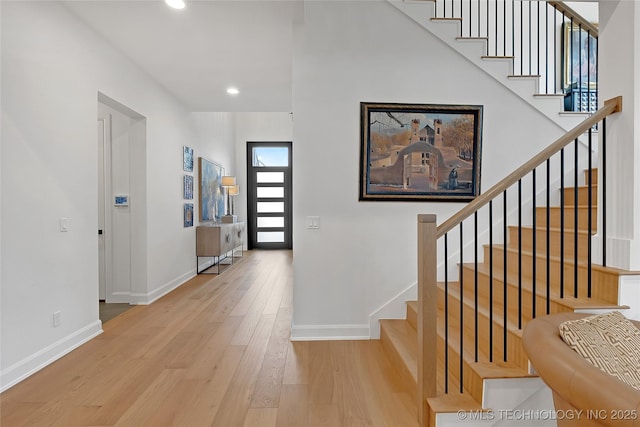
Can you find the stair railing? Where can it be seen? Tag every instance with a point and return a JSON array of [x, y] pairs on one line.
[[544, 39], [434, 248]]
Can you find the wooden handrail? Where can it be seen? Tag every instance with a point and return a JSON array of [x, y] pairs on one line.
[[577, 19], [611, 106]]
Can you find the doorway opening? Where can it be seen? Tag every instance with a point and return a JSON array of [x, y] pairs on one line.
[[269, 195], [121, 139]]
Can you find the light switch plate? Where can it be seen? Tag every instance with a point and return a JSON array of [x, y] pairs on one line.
[[313, 222]]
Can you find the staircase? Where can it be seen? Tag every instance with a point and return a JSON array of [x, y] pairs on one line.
[[513, 66], [486, 372], [545, 267]]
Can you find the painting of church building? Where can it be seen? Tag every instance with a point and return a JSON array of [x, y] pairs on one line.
[[421, 153]]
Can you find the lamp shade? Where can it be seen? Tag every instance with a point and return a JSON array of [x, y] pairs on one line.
[[234, 191], [228, 181]]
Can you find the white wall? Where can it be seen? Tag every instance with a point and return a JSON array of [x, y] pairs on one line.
[[619, 67], [52, 70], [365, 252]]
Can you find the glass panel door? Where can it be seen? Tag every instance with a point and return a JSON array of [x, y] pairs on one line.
[[269, 195]]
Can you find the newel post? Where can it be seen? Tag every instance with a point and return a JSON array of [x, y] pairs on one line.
[[427, 313]]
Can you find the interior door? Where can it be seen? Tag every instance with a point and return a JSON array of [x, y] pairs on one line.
[[102, 273], [269, 195]]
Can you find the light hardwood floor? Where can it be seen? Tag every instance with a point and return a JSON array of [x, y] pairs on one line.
[[215, 352]]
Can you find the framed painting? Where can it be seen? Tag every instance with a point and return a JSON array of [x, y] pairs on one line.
[[187, 159], [187, 187], [210, 189], [579, 58], [188, 215], [420, 152]]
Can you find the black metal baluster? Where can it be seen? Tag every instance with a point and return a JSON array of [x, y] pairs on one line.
[[461, 310], [548, 301], [504, 28], [589, 214], [446, 314], [533, 248], [470, 16], [519, 254], [562, 211], [521, 40], [538, 36], [575, 219], [530, 38], [504, 272], [475, 284], [488, 27], [603, 137]]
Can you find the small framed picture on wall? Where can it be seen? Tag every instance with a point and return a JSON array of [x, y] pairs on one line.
[[188, 214], [188, 187], [187, 159]]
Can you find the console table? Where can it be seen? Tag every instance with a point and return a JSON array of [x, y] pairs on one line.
[[220, 242]]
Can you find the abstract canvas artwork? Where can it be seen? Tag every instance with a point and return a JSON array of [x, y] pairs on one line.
[[211, 191]]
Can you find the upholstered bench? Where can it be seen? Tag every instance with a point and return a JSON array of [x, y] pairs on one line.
[[584, 394]]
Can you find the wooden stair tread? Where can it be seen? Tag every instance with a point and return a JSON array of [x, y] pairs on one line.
[[497, 370], [453, 402]]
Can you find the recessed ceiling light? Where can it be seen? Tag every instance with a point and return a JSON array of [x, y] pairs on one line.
[[233, 91], [176, 4]]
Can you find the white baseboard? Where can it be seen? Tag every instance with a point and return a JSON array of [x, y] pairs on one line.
[[395, 308], [329, 332], [150, 297], [119, 298], [629, 294], [32, 364]]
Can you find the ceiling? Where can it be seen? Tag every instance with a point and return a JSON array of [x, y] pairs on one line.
[[198, 52]]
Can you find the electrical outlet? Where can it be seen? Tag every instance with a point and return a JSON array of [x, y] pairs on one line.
[[57, 319]]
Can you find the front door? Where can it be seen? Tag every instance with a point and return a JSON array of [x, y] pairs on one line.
[[269, 198]]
